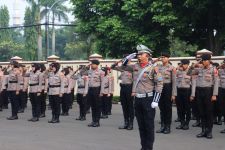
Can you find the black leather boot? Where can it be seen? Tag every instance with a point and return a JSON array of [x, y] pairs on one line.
[[202, 134], [209, 133], [161, 130], [181, 126], [130, 125], [53, 119], [167, 129], [186, 126], [125, 126]]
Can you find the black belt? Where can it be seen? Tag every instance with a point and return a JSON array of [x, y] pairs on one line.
[[80, 87], [121, 84], [43, 83], [12, 81], [34, 84], [66, 86], [54, 86], [106, 87], [21, 84]]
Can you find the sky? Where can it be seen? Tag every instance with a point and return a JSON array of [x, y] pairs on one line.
[[18, 7]]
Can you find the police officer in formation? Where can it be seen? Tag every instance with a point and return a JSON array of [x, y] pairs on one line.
[[35, 83], [95, 76], [207, 80], [127, 101], [146, 89], [82, 89], [183, 94], [168, 93], [56, 90]]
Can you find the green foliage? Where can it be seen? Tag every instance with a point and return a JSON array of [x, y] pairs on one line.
[[4, 22], [30, 35]]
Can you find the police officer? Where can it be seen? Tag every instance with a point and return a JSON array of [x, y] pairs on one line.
[[183, 94], [111, 94], [35, 84], [147, 88], [127, 101], [95, 76], [13, 89], [56, 90], [44, 89], [106, 90], [207, 81], [221, 94], [66, 99], [82, 90], [168, 93]]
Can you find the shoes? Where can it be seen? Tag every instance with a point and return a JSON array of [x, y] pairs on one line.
[[180, 127], [223, 131], [12, 118], [65, 114], [130, 126], [177, 120], [104, 117], [167, 130], [34, 119], [79, 118], [42, 116], [21, 111], [161, 130], [124, 126], [186, 127], [94, 124]]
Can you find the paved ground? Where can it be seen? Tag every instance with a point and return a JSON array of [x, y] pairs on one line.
[[75, 135]]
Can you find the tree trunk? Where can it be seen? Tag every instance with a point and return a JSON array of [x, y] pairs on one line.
[[53, 35]]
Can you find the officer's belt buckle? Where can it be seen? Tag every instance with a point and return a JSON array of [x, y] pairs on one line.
[[144, 95]]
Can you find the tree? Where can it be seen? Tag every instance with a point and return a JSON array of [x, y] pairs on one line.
[[201, 22], [120, 25], [30, 35], [4, 22]]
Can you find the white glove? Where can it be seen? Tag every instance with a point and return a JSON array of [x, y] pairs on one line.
[[154, 105]]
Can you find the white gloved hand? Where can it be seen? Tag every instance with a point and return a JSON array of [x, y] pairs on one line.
[[154, 105]]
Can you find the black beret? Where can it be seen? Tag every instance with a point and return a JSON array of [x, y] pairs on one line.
[[206, 57], [185, 61], [165, 54], [95, 61]]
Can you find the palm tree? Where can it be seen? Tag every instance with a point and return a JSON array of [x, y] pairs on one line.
[[59, 11], [36, 7]]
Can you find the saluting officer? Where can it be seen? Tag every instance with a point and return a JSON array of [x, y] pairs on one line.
[[168, 93], [127, 101], [147, 88], [183, 94], [95, 76], [35, 84], [13, 89], [207, 81], [56, 90]]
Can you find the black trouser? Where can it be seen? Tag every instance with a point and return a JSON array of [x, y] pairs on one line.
[[105, 104], [14, 99], [127, 102], [43, 101], [205, 106], [82, 100], [72, 98], [110, 104], [165, 105], [22, 99], [4, 95], [36, 104], [55, 102], [1, 100], [221, 102], [183, 104], [66, 99], [95, 101], [145, 115]]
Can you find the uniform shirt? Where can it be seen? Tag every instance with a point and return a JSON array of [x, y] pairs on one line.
[[12, 81], [106, 87], [169, 76], [44, 82], [125, 76], [4, 82], [67, 84], [222, 78], [82, 83], [183, 79], [23, 81], [207, 77], [95, 77], [35, 82], [150, 81], [56, 85]]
